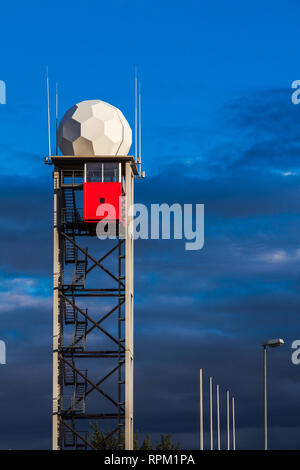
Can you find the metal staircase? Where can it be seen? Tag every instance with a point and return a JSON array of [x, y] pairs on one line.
[[75, 402], [79, 272], [69, 251], [70, 211], [79, 337], [78, 402], [69, 375], [72, 440], [73, 316], [69, 313], [69, 438]]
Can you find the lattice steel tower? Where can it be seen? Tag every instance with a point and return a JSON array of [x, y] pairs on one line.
[[93, 279]]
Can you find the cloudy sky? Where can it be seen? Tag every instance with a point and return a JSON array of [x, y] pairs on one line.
[[219, 128]]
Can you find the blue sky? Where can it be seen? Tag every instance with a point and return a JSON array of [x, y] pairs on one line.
[[219, 128]]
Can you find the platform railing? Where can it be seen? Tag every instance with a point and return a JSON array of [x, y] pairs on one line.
[[71, 177]]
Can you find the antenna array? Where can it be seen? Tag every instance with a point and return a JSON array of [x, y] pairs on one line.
[[138, 124], [49, 125]]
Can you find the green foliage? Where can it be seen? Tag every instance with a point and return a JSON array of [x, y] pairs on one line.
[[146, 444], [165, 443], [102, 440]]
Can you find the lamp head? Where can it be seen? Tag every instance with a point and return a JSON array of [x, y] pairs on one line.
[[273, 343]]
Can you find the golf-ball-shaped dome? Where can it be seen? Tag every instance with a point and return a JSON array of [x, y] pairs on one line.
[[93, 128]]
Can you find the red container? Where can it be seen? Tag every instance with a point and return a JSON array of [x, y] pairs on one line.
[[107, 195]]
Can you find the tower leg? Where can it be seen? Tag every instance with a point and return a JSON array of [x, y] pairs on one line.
[[129, 312], [56, 323]]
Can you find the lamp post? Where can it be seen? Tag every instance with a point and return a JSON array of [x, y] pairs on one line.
[[228, 420], [218, 418], [233, 423], [271, 343], [211, 414], [201, 411]]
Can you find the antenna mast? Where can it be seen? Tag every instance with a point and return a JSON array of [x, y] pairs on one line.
[[48, 105], [56, 116], [135, 114], [138, 124], [140, 133]]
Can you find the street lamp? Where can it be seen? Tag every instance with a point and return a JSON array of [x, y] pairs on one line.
[[271, 343]]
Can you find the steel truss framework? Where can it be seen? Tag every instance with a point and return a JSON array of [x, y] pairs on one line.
[[73, 387]]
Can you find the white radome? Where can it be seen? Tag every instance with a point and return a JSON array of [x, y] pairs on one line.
[[93, 128]]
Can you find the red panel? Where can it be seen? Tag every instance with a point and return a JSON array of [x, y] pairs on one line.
[[99, 194]]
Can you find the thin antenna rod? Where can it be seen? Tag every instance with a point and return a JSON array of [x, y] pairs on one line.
[[211, 414], [228, 423], [135, 115], [218, 417], [140, 131], [201, 411], [49, 128], [56, 116], [233, 423]]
